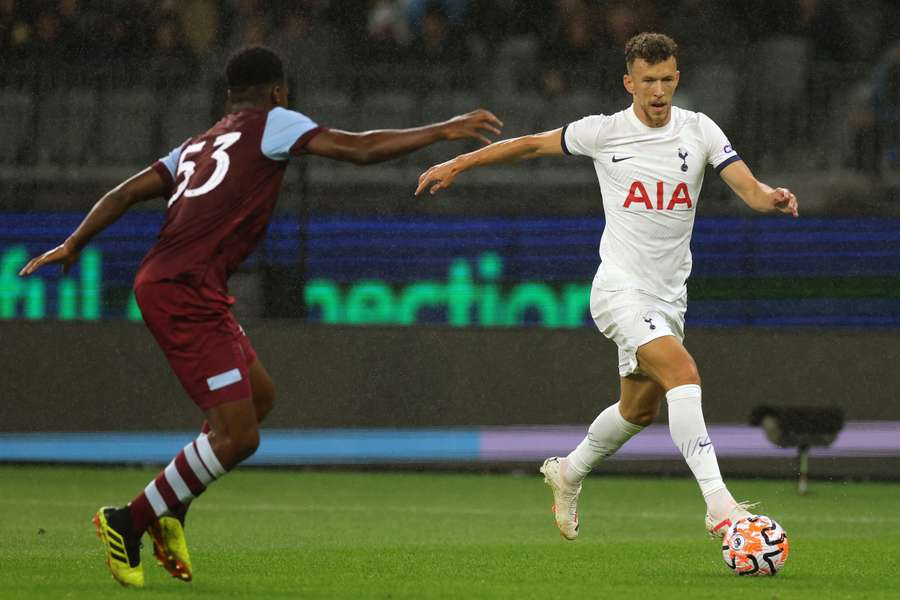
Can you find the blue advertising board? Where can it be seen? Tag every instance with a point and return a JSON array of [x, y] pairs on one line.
[[484, 272]]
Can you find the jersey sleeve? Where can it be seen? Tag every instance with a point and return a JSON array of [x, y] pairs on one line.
[[719, 152], [167, 166], [286, 133], [584, 137]]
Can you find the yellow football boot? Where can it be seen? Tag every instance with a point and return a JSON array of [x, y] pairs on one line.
[[123, 555], [170, 547]]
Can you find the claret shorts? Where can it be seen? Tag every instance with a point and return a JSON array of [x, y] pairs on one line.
[[203, 342]]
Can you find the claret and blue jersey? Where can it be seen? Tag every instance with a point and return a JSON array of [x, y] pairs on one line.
[[222, 189]]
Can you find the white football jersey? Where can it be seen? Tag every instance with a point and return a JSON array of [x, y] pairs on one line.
[[650, 179]]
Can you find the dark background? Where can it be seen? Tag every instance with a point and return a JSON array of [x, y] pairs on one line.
[[808, 92]]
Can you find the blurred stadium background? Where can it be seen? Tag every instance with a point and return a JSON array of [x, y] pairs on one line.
[[454, 331]]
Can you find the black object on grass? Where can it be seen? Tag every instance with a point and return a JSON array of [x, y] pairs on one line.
[[799, 427]]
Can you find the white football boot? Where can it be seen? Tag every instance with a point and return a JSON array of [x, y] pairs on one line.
[[718, 526], [565, 497]]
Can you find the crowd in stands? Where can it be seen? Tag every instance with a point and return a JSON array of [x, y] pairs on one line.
[[329, 40], [802, 49]]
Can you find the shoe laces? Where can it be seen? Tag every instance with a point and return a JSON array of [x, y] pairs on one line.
[[570, 495]]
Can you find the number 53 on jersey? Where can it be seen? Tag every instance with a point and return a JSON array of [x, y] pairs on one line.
[[187, 167]]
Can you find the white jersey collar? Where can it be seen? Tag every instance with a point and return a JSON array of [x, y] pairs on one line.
[[631, 115]]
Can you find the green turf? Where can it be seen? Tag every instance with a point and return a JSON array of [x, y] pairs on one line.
[[289, 534]]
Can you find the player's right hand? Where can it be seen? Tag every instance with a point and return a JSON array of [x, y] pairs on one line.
[[438, 177], [63, 254]]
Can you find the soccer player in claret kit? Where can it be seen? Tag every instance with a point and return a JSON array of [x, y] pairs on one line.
[[650, 160], [221, 187]]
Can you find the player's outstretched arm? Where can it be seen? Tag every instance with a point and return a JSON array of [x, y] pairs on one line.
[[526, 147], [370, 147], [756, 194], [145, 185]]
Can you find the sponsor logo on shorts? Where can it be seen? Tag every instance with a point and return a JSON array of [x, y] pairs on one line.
[[217, 382]]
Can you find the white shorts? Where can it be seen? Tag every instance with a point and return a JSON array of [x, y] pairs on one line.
[[632, 318]]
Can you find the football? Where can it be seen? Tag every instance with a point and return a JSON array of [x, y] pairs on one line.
[[755, 545]]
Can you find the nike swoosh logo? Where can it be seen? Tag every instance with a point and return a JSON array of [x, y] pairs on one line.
[[706, 444], [615, 160]]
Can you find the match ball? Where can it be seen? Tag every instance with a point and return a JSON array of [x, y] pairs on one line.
[[755, 545]]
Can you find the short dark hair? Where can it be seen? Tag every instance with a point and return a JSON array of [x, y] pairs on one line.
[[254, 65], [652, 47]]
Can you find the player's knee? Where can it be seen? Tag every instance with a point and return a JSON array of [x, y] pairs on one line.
[[645, 417], [685, 374], [691, 374], [248, 443], [241, 445], [642, 416]]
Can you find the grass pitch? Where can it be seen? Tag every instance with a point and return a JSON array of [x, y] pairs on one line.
[[291, 534]]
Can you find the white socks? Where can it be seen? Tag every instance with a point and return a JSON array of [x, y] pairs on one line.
[[689, 434], [610, 431], [606, 435]]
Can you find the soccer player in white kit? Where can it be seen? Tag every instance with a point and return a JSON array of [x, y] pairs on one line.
[[650, 160]]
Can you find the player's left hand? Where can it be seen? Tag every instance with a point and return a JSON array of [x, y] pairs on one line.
[[785, 201], [472, 125], [438, 177], [63, 254]]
